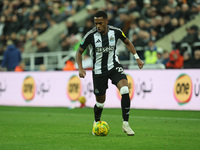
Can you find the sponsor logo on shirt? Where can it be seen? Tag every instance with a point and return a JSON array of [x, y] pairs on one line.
[[105, 49]]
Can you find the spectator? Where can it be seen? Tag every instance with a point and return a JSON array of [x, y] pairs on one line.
[[187, 60], [192, 62], [1, 53], [68, 10], [14, 24], [13, 37], [56, 15], [181, 21], [87, 62], [174, 24], [121, 20], [88, 26], [80, 5], [159, 5], [145, 8], [159, 55], [42, 48], [167, 10], [165, 57], [197, 37], [2, 24], [1, 50], [142, 24], [42, 67], [43, 26], [174, 13], [150, 53], [172, 3], [191, 34], [92, 10], [70, 65], [122, 52], [185, 12], [133, 7], [21, 42], [175, 60], [20, 67], [154, 35], [134, 29], [134, 16], [111, 19], [140, 41], [12, 57], [194, 10], [196, 43], [1, 5], [196, 60], [165, 26], [70, 31]]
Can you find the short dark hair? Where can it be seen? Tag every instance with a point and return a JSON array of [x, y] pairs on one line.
[[101, 14]]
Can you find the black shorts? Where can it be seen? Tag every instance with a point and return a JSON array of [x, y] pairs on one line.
[[100, 81]]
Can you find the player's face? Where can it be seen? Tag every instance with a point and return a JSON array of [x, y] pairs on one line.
[[101, 24]]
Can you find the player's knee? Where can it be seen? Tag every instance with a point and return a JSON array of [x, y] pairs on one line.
[[124, 90], [100, 105]]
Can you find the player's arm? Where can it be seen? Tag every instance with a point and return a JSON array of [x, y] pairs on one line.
[[131, 48], [79, 53]]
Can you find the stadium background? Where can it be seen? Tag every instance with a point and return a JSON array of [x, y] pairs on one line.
[[48, 32]]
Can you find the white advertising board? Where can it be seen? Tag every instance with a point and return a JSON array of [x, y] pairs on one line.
[[149, 89]]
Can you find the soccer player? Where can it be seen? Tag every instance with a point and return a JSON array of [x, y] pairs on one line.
[[106, 65]]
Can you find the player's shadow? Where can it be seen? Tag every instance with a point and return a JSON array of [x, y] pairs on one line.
[[118, 135], [112, 135]]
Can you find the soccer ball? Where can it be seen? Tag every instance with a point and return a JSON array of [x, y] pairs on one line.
[[82, 99], [101, 128]]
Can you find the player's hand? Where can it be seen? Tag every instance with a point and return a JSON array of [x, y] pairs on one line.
[[82, 73], [140, 63]]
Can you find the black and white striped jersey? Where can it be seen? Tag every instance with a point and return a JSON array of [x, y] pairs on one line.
[[103, 49]]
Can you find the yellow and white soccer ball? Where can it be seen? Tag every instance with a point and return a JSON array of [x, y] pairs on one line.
[[101, 128], [82, 99]]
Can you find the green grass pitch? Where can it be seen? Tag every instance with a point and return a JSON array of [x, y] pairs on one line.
[[43, 128]]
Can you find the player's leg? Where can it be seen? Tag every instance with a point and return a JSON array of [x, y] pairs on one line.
[[119, 78], [98, 107], [125, 105], [125, 100], [100, 84]]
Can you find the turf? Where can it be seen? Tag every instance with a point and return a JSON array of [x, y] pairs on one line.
[[38, 128]]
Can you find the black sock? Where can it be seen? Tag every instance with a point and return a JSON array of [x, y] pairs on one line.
[[125, 104], [97, 113]]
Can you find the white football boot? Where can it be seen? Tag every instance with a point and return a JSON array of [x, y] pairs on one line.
[[127, 129], [92, 127]]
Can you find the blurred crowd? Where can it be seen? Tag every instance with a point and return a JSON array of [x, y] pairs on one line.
[[24, 20], [147, 21], [143, 21]]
